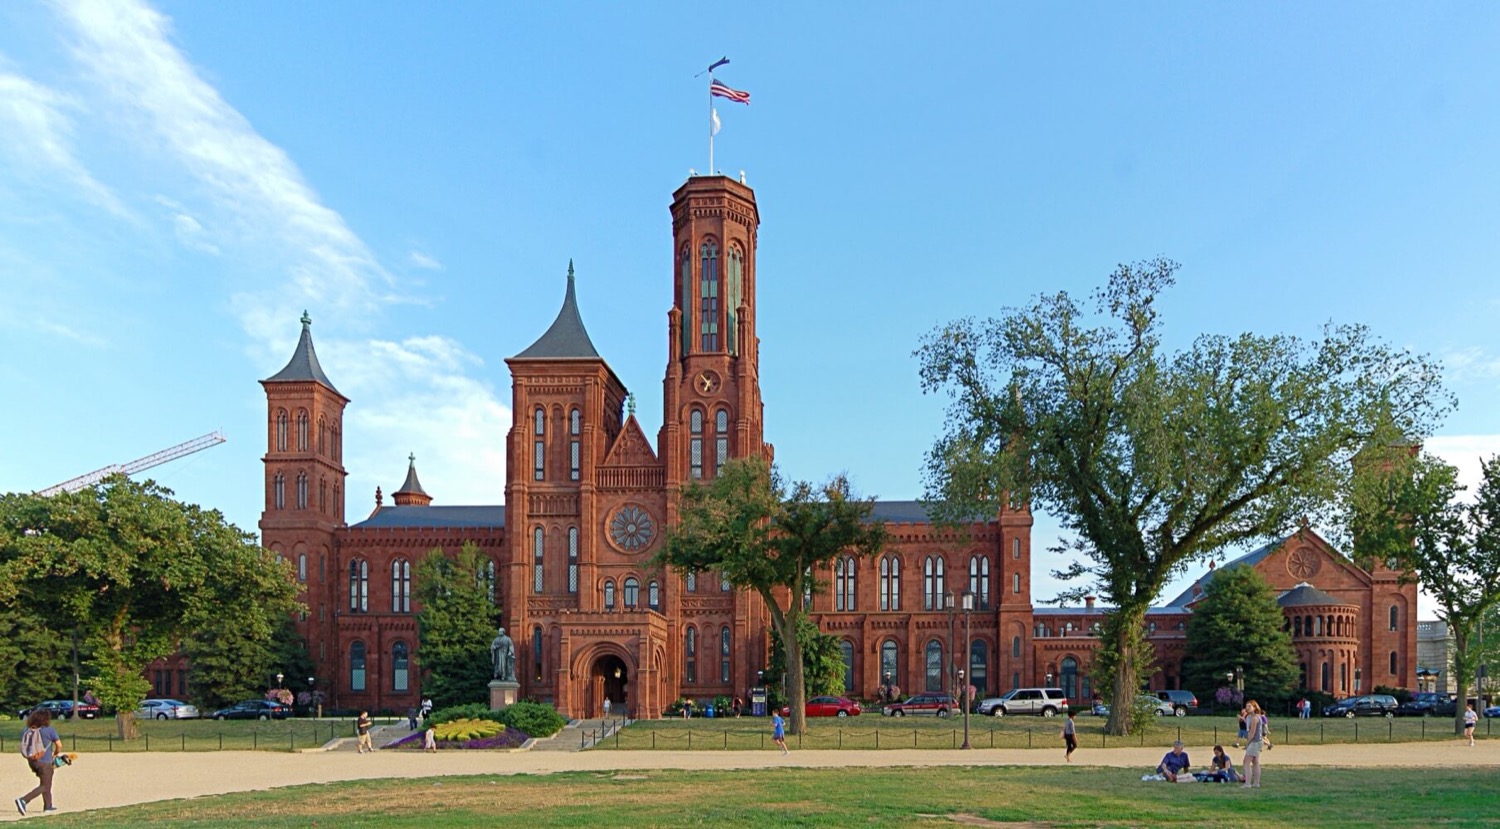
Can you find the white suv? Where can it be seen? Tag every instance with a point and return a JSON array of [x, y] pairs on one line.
[[1048, 702]]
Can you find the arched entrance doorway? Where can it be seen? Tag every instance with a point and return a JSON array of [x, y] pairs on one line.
[[609, 679]]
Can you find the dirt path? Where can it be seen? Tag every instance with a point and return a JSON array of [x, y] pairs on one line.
[[100, 780]]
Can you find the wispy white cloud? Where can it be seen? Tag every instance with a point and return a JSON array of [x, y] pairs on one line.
[[1471, 363], [423, 261], [1464, 452], [38, 140]]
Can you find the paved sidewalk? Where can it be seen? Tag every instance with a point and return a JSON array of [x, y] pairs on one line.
[[101, 780]]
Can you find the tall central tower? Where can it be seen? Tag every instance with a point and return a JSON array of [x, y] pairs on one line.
[[711, 400]]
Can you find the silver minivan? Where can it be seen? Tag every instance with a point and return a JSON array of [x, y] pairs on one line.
[[1048, 702]]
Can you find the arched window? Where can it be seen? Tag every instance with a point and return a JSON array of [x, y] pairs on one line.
[[1015, 582], [1327, 678], [690, 653], [359, 586], [695, 444], [932, 583], [1297, 627], [708, 296], [933, 662], [846, 652], [539, 444], [721, 439], [278, 491], [724, 585], [575, 428], [724, 653], [890, 662], [1015, 647], [1395, 618], [843, 583], [322, 437], [733, 295], [338, 504], [692, 581], [1069, 677], [301, 490], [685, 279], [302, 567], [357, 666], [609, 594], [632, 591], [1015, 549], [653, 595], [400, 586], [400, 667], [890, 583], [537, 539], [979, 667], [1318, 625], [281, 430], [979, 581], [323, 495], [536, 652], [1393, 663], [1344, 677], [302, 430], [572, 559]]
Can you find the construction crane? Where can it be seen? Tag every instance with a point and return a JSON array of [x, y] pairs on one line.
[[198, 444]]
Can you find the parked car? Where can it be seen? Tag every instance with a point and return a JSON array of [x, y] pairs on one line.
[[1047, 702], [62, 709], [1160, 708], [1428, 704], [1182, 701], [166, 709], [1370, 705], [940, 705], [832, 707], [253, 709], [1492, 711]]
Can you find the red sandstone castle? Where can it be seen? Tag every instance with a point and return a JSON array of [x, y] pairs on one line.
[[587, 496]]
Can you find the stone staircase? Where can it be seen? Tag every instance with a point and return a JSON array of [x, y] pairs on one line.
[[578, 735]]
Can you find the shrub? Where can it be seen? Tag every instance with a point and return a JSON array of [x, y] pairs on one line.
[[467, 729], [471, 711], [534, 718]]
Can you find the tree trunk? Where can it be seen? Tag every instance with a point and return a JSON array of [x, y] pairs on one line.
[[796, 693], [1461, 672], [1126, 627], [125, 725]]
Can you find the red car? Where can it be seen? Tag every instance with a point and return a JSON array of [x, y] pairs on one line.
[[940, 704], [827, 707]]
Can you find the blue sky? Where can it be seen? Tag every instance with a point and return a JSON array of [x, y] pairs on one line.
[[179, 181]]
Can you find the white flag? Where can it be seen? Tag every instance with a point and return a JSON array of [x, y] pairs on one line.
[[713, 126]]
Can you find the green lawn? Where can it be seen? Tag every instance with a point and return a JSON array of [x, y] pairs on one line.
[[869, 732], [191, 735], [1013, 796]]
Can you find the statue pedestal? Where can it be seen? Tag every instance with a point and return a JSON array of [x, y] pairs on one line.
[[503, 693]]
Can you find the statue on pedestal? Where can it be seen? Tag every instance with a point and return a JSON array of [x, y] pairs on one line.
[[503, 657]]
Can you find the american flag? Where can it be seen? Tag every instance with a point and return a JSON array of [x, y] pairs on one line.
[[718, 88]]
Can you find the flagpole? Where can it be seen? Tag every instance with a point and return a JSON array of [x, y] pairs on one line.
[[710, 122]]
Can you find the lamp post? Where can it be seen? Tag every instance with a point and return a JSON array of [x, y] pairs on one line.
[[968, 643], [952, 660], [312, 681], [279, 677]]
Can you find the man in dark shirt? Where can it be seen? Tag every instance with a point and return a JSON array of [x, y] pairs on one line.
[[1175, 764]]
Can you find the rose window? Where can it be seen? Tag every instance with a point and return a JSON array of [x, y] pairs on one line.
[[632, 529]]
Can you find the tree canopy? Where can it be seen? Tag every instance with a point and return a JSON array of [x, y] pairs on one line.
[[1237, 626], [455, 626], [762, 535], [1155, 459], [1407, 508]]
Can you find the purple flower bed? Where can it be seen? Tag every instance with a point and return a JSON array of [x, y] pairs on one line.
[[509, 738]]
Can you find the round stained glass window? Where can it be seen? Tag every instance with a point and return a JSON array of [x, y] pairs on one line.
[[632, 529]]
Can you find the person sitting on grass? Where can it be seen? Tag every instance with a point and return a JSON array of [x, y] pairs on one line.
[[1221, 769], [1174, 766]]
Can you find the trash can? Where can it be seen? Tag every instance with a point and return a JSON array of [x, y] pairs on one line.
[[709, 712]]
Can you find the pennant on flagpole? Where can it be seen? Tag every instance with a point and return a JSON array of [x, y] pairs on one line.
[[713, 128], [718, 89]]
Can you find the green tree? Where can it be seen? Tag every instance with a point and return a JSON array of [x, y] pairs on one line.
[[134, 572], [747, 525], [1406, 509], [822, 661], [1154, 460], [455, 626], [1237, 625], [235, 657], [40, 655]]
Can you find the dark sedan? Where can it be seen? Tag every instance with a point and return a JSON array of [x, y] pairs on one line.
[[62, 709], [1428, 704], [1373, 705], [253, 709]]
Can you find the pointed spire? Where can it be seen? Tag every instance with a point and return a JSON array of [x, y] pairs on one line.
[[567, 338], [304, 363], [411, 492]]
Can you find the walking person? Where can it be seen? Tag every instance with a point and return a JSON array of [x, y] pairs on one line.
[[778, 732], [1070, 736], [606, 708], [1244, 732], [1257, 739], [1304, 708], [1471, 719], [411, 718], [429, 739], [40, 743], [362, 728]]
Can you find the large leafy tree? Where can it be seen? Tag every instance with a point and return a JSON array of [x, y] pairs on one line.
[[134, 573], [455, 625], [1155, 459], [1407, 509], [40, 654], [1237, 626], [765, 536], [822, 661]]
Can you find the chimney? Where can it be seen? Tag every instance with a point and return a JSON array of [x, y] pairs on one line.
[[1088, 602]]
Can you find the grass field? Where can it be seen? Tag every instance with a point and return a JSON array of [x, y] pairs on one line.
[[872, 732], [985, 796], [191, 735]]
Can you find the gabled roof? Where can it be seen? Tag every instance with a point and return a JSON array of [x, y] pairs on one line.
[[631, 448], [412, 486], [449, 516], [1306, 594], [911, 512], [566, 339], [304, 363], [1249, 559]]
